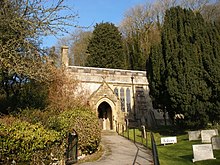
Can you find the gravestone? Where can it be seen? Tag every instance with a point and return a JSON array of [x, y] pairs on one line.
[[208, 134], [202, 152], [194, 135], [168, 140], [216, 143]]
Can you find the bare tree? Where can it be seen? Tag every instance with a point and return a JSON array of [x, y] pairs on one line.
[[79, 47], [211, 12], [22, 24], [139, 31], [77, 41], [196, 5], [142, 24]]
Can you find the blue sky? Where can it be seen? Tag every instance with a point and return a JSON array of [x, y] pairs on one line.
[[95, 11]]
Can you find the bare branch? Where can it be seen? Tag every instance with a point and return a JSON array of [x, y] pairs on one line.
[[22, 25]]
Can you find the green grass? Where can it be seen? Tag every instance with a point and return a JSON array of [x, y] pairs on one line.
[[175, 154], [181, 153]]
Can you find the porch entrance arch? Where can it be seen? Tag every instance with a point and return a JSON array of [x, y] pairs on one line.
[[105, 116]]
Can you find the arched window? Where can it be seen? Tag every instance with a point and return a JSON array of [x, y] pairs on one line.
[[116, 91], [122, 98], [128, 99]]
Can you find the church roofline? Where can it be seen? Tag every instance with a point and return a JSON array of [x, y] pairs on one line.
[[106, 70]]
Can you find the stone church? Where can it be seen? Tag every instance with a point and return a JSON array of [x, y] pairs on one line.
[[117, 96]]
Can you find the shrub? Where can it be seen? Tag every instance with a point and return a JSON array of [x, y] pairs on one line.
[[25, 142], [34, 116], [84, 122], [63, 92], [81, 119]]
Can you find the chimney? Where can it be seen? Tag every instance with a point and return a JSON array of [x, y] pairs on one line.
[[64, 56]]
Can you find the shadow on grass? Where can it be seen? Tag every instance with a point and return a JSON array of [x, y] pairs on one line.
[[169, 130], [187, 157]]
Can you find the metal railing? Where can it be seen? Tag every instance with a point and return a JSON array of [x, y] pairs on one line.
[[154, 150], [140, 135], [137, 135]]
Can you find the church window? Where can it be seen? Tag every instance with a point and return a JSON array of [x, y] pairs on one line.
[[128, 99], [122, 98]]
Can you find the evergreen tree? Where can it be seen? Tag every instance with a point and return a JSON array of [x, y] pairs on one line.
[[188, 91], [180, 70], [211, 63], [156, 76], [136, 53], [105, 47]]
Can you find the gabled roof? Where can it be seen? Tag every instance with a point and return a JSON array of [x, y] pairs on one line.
[[104, 91]]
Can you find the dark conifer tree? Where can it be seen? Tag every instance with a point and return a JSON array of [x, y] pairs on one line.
[[136, 55], [211, 63], [105, 47], [187, 82]]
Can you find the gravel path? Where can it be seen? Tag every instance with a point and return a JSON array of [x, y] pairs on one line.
[[120, 151]]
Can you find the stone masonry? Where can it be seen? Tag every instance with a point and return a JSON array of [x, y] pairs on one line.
[[116, 95]]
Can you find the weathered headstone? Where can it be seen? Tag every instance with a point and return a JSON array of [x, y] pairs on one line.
[[208, 134], [194, 135], [202, 152], [216, 143], [168, 140]]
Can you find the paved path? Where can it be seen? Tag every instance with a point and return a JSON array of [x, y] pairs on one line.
[[120, 151]]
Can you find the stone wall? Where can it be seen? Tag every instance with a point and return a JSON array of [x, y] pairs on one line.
[[126, 91]]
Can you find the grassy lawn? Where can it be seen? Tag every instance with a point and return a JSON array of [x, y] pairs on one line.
[[181, 153], [174, 154]]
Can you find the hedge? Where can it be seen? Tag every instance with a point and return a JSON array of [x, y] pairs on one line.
[[21, 141]]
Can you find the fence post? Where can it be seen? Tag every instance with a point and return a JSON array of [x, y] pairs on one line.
[[142, 136], [118, 128], [134, 134], [146, 137], [123, 130], [128, 132]]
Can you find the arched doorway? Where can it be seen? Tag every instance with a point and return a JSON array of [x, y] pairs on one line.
[[105, 116]]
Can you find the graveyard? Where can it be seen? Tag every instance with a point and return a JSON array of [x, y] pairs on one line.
[[188, 148], [177, 147]]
